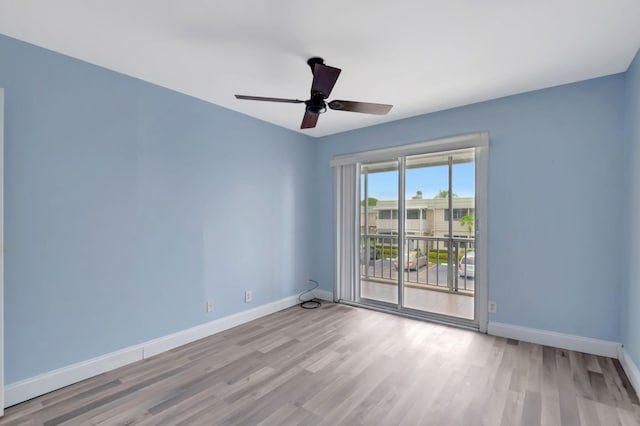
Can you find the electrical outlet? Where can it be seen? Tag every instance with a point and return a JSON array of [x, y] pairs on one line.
[[492, 307], [209, 305], [248, 297]]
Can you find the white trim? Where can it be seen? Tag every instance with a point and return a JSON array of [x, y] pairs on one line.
[[470, 140], [38, 385], [165, 343], [630, 368], [558, 340], [323, 294], [56, 379], [2, 395], [337, 234]]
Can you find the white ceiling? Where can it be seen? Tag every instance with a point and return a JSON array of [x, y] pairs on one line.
[[419, 55]]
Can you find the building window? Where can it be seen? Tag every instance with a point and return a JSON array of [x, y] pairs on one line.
[[457, 213], [413, 214], [388, 214]]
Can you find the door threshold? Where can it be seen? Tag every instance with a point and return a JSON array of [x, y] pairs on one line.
[[422, 316]]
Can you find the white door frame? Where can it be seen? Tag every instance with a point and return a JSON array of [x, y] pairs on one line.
[[479, 141], [1, 252]]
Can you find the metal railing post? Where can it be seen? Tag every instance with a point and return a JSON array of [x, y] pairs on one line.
[[454, 268]]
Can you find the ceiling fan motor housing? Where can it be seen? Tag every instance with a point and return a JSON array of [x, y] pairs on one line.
[[316, 105]]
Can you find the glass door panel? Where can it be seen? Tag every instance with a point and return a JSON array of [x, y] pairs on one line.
[[439, 208], [378, 232]]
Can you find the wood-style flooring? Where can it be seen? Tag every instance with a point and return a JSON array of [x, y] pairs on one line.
[[340, 365]]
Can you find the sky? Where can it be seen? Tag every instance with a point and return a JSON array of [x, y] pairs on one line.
[[429, 180]]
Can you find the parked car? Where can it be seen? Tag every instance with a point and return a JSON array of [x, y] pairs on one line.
[[412, 260], [467, 265]]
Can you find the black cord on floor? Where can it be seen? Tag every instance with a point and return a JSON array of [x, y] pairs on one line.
[[312, 303]]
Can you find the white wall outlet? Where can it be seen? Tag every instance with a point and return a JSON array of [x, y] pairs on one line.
[[248, 297], [492, 307], [209, 305]]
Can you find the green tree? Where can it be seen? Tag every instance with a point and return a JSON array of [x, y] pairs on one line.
[[444, 194], [468, 221], [371, 202]]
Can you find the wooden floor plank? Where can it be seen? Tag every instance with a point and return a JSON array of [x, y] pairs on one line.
[[340, 365]]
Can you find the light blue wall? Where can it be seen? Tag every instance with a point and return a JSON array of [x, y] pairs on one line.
[[631, 313], [555, 189], [127, 205]]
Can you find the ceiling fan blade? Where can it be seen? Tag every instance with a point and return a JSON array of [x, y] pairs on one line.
[[324, 78], [364, 107], [260, 98], [309, 120]]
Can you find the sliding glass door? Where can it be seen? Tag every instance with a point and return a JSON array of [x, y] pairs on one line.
[[417, 235]]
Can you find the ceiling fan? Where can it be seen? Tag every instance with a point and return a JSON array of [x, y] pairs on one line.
[[324, 78]]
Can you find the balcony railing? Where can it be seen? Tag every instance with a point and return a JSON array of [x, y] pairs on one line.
[[427, 261]]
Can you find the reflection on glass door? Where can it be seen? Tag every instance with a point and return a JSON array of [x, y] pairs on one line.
[[417, 249]]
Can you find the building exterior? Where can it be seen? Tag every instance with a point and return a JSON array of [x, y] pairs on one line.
[[425, 217]]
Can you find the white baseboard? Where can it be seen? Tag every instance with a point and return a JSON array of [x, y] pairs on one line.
[[39, 385], [558, 340], [323, 294], [630, 367], [165, 343]]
